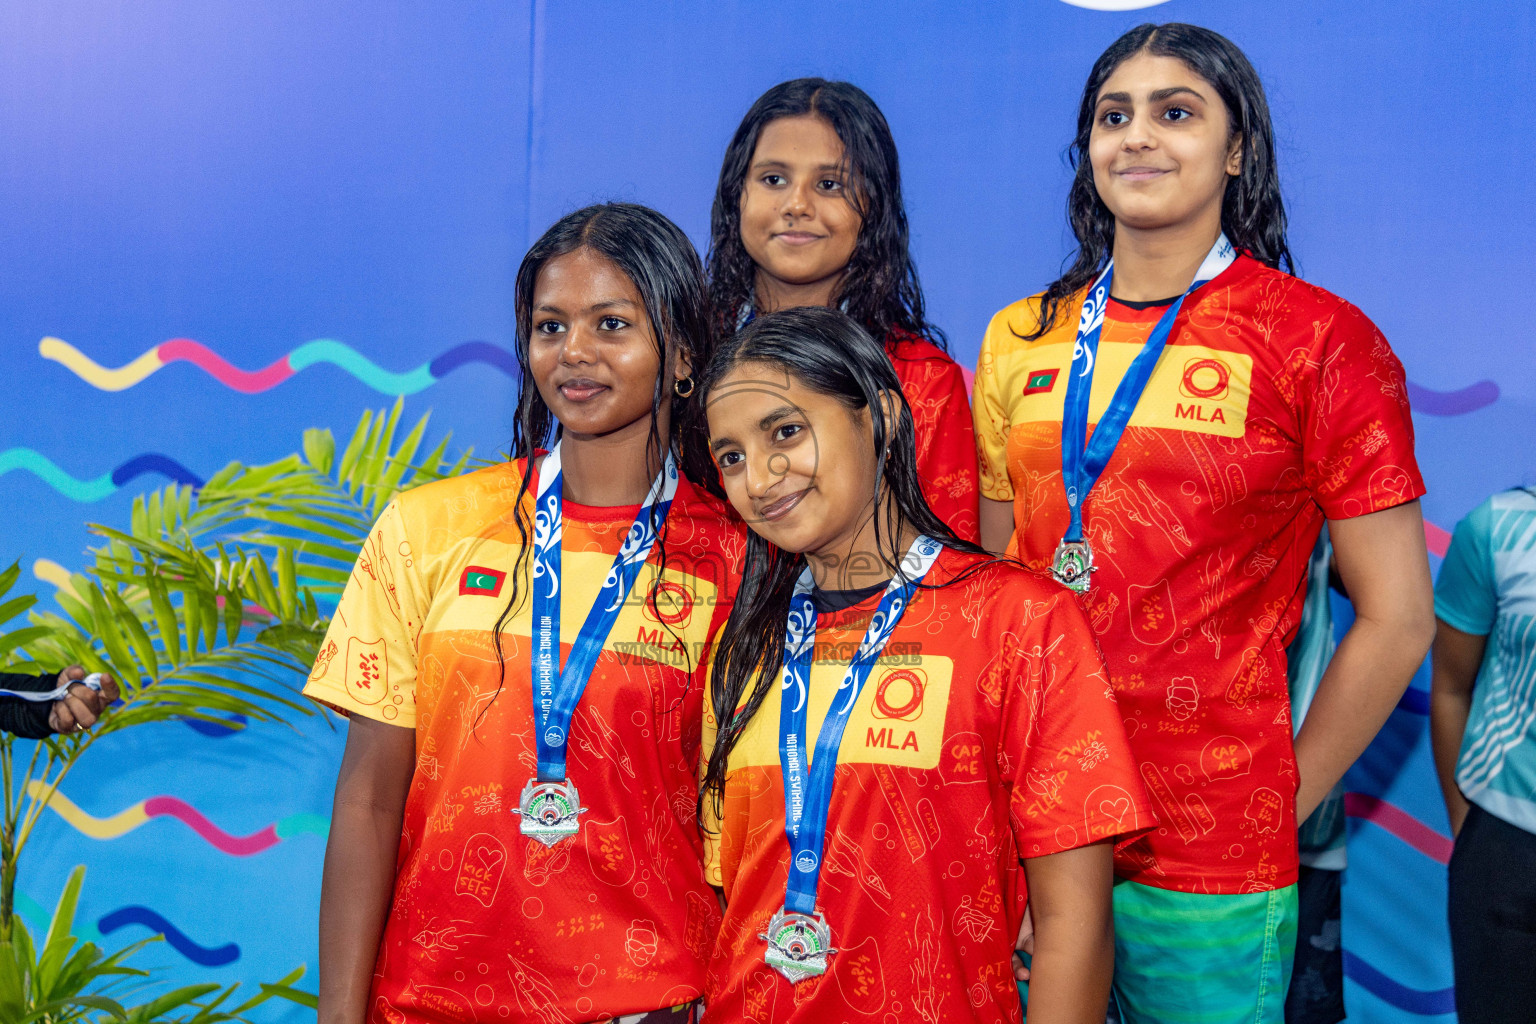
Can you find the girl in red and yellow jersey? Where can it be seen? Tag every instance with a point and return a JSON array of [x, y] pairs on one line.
[[928, 716], [1166, 428], [808, 212], [518, 649]]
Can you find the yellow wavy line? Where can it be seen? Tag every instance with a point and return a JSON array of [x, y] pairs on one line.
[[122, 822], [52, 572], [93, 373]]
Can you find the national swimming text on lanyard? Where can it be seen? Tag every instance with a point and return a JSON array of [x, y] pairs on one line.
[[799, 939], [550, 806], [1082, 463]]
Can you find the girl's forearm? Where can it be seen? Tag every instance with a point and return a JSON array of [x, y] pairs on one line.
[[359, 876], [1364, 681], [356, 889], [1071, 970], [1448, 713]]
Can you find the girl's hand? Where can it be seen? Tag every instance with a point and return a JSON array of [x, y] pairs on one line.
[[79, 709], [1026, 944]]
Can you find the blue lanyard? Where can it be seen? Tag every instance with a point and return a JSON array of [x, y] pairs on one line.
[[808, 788], [1082, 463], [557, 691]]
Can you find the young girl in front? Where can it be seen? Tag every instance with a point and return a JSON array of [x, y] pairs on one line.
[[514, 835], [896, 718], [808, 212], [1233, 408]]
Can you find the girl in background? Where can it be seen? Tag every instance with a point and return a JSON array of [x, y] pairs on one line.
[[1482, 720], [808, 212], [1233, 408], [514, 834], [901, 718]]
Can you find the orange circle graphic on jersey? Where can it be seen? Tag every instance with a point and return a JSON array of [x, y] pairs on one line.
[[884, 707], [1206, 378], [678, 599]]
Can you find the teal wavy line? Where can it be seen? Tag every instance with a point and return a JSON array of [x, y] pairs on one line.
[[53, 476], [38, 918], [304, 824], [326, 350]]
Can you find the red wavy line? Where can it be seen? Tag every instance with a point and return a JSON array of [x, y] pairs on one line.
[[239, 846], [1401, 824], [247, 381]]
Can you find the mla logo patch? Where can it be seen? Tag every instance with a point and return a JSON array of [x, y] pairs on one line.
[[1041, 381], [1205, 378], [900, 695], [671, 603], [479, 581]]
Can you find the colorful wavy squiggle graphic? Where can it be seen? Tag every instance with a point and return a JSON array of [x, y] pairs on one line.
[[1417, 1001], [100, 487], [207, 956], [38, 917], [132, 817], [250, 382], [1400, 824]]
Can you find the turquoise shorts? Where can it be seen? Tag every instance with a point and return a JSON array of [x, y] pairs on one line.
[[1193, 958]]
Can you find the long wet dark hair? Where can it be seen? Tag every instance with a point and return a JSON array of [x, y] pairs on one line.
[[879, 288], [825, 351], [1252, 212], [664, 266]]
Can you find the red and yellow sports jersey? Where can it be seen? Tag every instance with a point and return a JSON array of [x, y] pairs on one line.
[[1275, 404], [986, 732], [946, 439], [487, 925]]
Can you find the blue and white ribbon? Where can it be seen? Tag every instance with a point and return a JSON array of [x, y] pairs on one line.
[[556, 690], [808, 786]]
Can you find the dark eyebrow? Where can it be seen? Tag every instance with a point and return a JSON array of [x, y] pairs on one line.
[[720, 442], [782, 412], [547, 308], [763, 165], [1156, 97], [611, 303]]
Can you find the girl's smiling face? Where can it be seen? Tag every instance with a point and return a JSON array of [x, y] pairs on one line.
[[799, 466], [592, 351], [797, 221], [1162, 147]]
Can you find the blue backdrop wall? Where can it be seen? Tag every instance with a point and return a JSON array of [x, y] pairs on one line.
[[258, 177]]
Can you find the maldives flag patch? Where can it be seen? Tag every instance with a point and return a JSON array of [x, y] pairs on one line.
[[481, 582], [1040, 381]]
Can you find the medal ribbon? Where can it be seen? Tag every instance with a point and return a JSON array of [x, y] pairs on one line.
[[557, 691], [1082, 463], [808, 788]]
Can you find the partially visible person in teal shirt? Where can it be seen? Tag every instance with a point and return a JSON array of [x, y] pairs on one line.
[[1483, 729]]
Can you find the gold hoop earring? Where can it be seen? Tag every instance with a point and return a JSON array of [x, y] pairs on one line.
[[677, 386]]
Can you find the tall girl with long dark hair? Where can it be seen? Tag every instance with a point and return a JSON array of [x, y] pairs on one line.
[[896, 719], [1233, 408], [808, 212], [518, 651]]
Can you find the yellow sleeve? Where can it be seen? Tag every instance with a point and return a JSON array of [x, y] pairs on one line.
[[989, 410], [709, 820], [367, 662]]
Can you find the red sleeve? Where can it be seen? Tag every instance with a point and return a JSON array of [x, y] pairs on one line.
[[1357, 443], [1064, 753], [946, 439]]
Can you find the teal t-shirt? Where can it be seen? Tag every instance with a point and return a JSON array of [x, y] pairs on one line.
[[1487, 587]]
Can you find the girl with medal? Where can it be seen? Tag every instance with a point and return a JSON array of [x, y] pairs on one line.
[[895, 720], [808, 212], [1166, 428], [518, 649]]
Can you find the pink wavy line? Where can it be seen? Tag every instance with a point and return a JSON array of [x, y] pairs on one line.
[[1401, 824], [247, 381], [239, 846], [1438, 538]]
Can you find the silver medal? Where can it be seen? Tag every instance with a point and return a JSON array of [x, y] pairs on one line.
[[798, 944], [1073, 565], [549, 811]]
